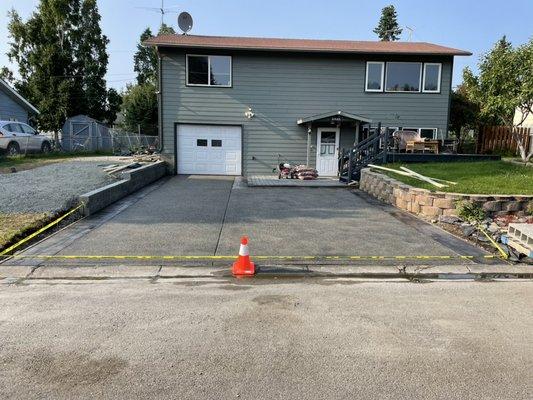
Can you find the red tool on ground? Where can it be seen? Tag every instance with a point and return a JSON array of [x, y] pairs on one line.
[[243, 266]]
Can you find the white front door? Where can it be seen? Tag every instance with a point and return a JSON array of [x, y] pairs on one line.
[[327, 151]]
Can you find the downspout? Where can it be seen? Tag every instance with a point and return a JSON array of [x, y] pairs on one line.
[[159, 100], [308, 155]]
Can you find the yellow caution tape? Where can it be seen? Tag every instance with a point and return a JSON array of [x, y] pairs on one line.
[[51, 224], [493, 242]]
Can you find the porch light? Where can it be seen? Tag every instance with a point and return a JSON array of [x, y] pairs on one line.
[[249, 113]]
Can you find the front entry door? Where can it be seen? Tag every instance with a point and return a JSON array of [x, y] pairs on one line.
[[327, 151]]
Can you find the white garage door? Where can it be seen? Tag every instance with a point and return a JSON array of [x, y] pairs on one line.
[[209, 149]]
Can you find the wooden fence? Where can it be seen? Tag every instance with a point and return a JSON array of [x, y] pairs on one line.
[[499, 138]]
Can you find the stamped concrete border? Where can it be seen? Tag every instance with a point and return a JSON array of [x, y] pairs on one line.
[[132, 181], [434, 203]]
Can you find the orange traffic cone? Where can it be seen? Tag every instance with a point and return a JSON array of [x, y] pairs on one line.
[[243, 265]]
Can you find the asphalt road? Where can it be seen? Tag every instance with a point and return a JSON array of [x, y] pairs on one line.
[[222, 338]]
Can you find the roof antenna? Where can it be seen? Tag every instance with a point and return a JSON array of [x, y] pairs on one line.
[[411, 31], [161, 10]]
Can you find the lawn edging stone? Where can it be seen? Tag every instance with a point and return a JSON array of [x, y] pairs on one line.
[[435, 203]]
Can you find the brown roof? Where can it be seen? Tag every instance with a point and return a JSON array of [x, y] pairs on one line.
[[303, 45]]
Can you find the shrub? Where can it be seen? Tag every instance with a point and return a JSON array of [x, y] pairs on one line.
[[469, 211]]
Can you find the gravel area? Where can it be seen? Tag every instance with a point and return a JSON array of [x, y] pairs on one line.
[[52, 187]]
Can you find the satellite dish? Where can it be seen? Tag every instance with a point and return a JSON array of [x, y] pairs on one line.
[[185, 22]]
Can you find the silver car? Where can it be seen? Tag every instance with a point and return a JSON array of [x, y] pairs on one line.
[[18, 137]]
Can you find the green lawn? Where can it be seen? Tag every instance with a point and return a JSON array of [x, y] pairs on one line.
[[37, 160], [486, 177]]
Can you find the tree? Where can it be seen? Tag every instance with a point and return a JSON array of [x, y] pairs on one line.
[[114, 103], [62, 60], [91, 59], [140, 108], [388, 29], [504, 85], [7, 75], [145, 59], [464, 115]]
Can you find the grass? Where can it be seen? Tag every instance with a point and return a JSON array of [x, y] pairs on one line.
[[37, 160], [486, 177], [14, 226]]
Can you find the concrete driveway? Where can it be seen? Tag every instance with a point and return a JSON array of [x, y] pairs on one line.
[[193, 215]]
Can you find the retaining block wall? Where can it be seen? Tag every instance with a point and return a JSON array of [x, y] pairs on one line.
[[435, 204], [132, 181]]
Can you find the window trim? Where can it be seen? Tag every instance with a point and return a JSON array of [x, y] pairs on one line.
[[382, 63], [438, 79], [208, 70], [419, 79]]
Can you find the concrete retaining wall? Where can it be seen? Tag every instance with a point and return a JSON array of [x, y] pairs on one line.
[[435, 204], [134, 180]]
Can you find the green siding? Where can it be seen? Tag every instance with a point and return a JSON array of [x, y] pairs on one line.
[[281, 88]]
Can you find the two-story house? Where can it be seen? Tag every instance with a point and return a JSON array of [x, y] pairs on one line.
[[237, 105]]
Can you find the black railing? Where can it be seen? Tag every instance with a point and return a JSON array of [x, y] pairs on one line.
[[372, 150]]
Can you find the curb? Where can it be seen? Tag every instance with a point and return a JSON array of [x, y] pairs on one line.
[[18, 274]]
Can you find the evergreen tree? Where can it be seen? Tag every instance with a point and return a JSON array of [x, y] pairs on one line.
[[42, 48], [145, 59], [114, 103], [91, 62], [388, 29], [62, 61]]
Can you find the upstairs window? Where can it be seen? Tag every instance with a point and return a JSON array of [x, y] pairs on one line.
[[374, 76], [403, 77], [208, 70], [432, 77]]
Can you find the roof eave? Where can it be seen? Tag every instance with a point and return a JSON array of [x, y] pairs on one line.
[[21, 100], [293, 50]]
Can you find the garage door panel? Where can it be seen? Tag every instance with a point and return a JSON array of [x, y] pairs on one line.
[[207, 149]]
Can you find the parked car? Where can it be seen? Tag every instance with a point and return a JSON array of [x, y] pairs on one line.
[[18, 137]]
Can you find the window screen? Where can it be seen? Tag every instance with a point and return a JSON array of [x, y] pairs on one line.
[[216, 143], [201, 142], [432, 77], [374, 76]]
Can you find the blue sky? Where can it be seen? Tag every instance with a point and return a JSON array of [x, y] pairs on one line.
[[466, 24]]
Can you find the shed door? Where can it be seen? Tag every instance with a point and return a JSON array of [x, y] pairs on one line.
[[209, 149]]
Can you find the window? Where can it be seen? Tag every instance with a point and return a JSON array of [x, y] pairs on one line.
[[374, 76], [209, 71], [201, 142], [15, 128], [403, 77], [216, 143], [432, 77], [28, 129], [428, 133]]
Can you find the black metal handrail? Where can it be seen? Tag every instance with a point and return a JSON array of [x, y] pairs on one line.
[[371, 150]]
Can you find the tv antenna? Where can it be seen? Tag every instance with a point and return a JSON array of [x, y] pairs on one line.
[[185, 22], [162, 10], [411, 31]]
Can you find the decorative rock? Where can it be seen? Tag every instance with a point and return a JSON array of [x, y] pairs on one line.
[[492, 206], [449, 219], [493, 228], [468, 230]]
